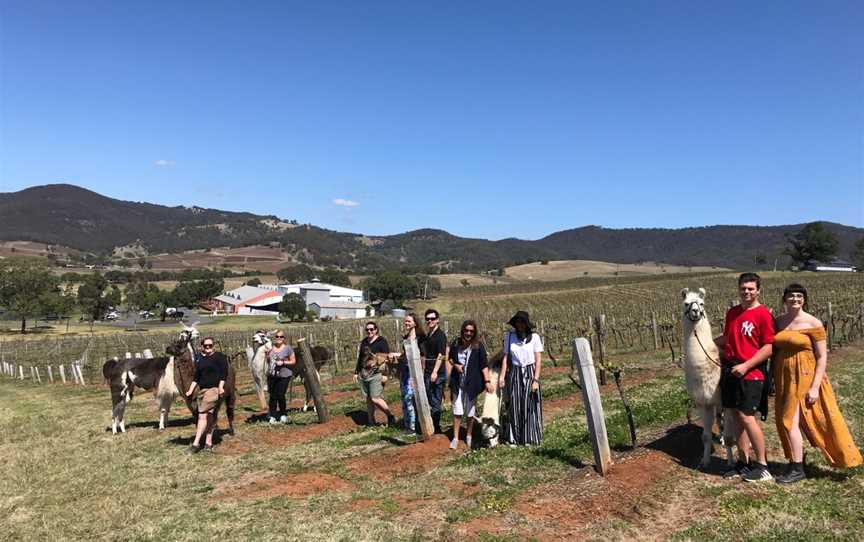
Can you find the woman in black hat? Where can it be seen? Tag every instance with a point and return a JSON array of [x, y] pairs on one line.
[[520, 379]]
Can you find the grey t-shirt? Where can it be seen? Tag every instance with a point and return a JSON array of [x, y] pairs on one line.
[[280, 354]]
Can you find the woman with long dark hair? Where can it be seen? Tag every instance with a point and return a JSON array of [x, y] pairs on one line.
[[368, 375], [804, 401], [520, 378], [469, 375]]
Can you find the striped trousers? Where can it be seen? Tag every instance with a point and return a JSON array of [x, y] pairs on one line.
[[524, 424]]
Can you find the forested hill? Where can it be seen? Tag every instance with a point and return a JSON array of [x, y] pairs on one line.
[[75, 217]]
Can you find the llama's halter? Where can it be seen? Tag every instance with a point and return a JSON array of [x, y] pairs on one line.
[[694, 311]]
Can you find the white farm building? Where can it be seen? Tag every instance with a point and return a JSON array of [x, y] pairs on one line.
[[326, 300]]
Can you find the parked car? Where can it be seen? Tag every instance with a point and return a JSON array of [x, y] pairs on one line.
[[113, 315], [144, 315]]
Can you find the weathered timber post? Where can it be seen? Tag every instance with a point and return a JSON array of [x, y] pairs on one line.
[[654, 331], [601, 332], [424, 416], [830, 325], [32, 374], [50, 375], [311, 380], [335, 350], [148, 354], [584, 363], [62, 374], [38, 376]]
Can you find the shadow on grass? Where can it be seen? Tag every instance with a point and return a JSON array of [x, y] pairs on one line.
[[257, 418], [187, 440], [177, 422], [683, 443]]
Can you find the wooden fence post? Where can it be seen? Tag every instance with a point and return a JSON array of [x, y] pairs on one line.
[[311, 380], [335, 350], [38, 376], [148, 354], [584, 363], [50, 375], [424, 416], [654, 331], [32, 374], [829, 327], [62, 374], [601, 332]]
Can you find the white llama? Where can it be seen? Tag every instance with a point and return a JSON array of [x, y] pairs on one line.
[[702, 371], [257, 356]]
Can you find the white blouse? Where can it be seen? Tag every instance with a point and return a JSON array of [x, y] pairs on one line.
[[521, 352]]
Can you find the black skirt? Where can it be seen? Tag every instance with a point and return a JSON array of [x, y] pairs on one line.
[[524, 423]]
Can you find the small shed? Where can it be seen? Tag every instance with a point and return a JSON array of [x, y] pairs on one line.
[[342, 311], [834, 265]]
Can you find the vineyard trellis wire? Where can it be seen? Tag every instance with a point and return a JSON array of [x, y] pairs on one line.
[[640, 316]]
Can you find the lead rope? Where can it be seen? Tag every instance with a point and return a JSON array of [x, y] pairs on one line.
[[714, 361]]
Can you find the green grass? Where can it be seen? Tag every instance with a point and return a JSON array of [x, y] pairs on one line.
[[66, 477]]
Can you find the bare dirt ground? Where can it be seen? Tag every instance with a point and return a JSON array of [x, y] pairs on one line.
[[260, 258], [29, 248], [268, 484], [569, 269]]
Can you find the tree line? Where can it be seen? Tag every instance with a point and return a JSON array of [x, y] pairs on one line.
[[29, 289]]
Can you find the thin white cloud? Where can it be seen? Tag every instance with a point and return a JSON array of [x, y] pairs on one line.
[[165, 163], [345, 202]]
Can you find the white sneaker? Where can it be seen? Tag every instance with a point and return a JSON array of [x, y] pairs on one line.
[[273, 420], [454, 444], [283, 419], [468, 442]]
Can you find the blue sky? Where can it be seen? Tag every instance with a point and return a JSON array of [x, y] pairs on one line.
[[487, 119]]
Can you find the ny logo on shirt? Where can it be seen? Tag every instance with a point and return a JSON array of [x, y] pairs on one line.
[[747, 328]]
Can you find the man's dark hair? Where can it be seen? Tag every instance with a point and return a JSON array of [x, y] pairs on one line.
[[432, 311], [371, 323], [750, 277]]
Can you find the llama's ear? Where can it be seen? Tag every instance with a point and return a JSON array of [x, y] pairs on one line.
[[702, 293], [684, 292]]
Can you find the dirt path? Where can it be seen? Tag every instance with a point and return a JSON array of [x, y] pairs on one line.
[[403, 460], [265, 485], [565, 508]]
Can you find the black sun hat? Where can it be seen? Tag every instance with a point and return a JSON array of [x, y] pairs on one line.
[[521, 315]]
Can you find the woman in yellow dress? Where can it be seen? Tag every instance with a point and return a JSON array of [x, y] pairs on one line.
[[804, 400]]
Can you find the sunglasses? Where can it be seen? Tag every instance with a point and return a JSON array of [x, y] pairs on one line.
[[207, 345], [431, 318], [468, 331], [371, 329], [280, 336]]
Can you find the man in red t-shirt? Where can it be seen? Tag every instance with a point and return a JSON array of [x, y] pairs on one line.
[[747, 343]]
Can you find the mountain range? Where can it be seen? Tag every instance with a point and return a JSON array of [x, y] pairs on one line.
[[81, 219]]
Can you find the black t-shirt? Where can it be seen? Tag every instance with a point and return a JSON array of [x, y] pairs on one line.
[[380, 346], [435, 343], [211, 369]]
